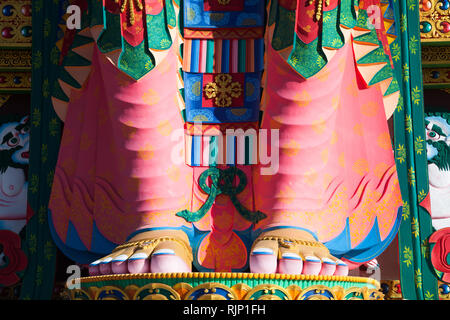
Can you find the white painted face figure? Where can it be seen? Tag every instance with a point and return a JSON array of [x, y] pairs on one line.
[[14, 159], [438, 155]]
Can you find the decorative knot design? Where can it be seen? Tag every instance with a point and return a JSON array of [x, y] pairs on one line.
[[124, 4], [223, 90], [222, 182], [319, 4]]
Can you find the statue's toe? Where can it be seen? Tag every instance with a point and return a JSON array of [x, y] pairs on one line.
[[290, 251], [149, 252]]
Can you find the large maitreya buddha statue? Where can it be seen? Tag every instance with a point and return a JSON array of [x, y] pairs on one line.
[[226, 135]]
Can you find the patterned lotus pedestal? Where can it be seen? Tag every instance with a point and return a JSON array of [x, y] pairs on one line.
[[225, 286]]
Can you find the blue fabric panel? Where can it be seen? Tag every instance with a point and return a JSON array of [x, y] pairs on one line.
[[342, 243], [196, 17], [82, 257], [370, 248]]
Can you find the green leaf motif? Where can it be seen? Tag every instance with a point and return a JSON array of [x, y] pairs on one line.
[[407, 256], [50, 177], [37, 59], [47, 28], [415, 227], [408, 123], [54, 127], [32, 243], [42, 215], [422, 195], [413, 44], [36, 117], [44, 153], [405, 72], [411, 177], [401, 154], [418, 145], [400, 104], [425, 249], [34, 182], [429, 296], [395, 52], [49, 250], [405, 210], [39, 275], [418, 279], [54, 56], [45, 88], [416, 95], [403, 23]]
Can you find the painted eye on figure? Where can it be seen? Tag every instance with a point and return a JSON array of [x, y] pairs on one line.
[[433, 135], [14, 141]]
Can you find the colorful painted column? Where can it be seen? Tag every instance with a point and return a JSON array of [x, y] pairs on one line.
[[222, 66]]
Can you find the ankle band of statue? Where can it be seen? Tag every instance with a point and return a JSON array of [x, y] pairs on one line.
[[290, 243], [152, 243]]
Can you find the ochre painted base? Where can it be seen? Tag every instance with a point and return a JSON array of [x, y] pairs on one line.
[[225, 286]]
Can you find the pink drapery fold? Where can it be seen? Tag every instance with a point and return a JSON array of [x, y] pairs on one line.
[[336, 160]]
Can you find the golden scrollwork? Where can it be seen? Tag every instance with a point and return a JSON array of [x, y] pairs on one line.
[[435, 55], [15, 26], [15, 59], [436, 76], [435, 21], [15, 81]]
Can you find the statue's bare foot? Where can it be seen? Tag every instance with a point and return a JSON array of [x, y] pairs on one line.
[[150, 251], [293, 251]]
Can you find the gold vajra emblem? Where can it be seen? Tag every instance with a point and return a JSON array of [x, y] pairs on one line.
[[223, 90], [224, 2]]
